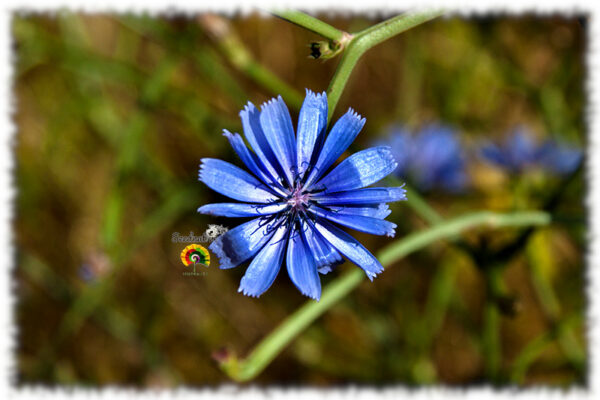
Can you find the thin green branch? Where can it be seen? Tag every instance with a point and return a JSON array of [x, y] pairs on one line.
[[276, 341], [312, 24], [491, 322], [363, 41], [419, 205]]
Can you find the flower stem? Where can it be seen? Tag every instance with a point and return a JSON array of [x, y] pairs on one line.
[[419, 205], [491, 323], [311, 23], [366, 39], [262, 355]]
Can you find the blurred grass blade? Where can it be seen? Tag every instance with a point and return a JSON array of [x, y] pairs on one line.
[[237, 54]]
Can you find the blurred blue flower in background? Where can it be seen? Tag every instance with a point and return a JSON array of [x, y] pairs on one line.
[[520, 152], [430, 158], [296, 202], [559, 158]]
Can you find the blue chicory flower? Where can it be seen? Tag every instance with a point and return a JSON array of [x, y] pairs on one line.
[[431, 158], [296, 204], [520, 152]]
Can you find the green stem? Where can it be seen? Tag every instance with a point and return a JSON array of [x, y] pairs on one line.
[[491, 322], [420, 206], [292, 326], [363, 41], [311, 23]]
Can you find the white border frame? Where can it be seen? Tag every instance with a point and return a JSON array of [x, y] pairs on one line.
[[8, 335]]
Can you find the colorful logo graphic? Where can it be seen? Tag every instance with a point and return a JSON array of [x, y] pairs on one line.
[[194, 254]]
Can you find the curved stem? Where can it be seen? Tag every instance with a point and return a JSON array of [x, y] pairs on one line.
[[311, 23], [363, 41], [262, 355], [418, 204]]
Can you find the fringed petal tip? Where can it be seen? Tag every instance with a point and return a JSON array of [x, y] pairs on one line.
[[217, 248], [392, 230], [227, 134], [372, 275], [398, 193], [249, 108], [383, 210], [247, 292], [205, 160], [270, 103], [386, 151], [388, 156], [315, 296], [316, 95], [324, 270], [314, 292], [359, 118], [201, 168]]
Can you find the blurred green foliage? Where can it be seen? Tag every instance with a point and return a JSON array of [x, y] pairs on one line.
[[114, 113]]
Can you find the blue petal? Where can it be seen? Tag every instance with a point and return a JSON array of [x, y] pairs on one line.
[[277, 126], [233, 182], [241, 209], [264, 268], [256, 137], [311, 127], [341, 136], [379, 211], [325, 269], [240, 243], [349, 247], [251, 161], [359, 170], [325, 255], [362, 196], [361, 223], [301, 266]]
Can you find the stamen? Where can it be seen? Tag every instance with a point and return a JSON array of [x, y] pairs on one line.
[[298, 200]]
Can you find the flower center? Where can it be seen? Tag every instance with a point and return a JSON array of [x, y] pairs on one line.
[[298, 200]]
